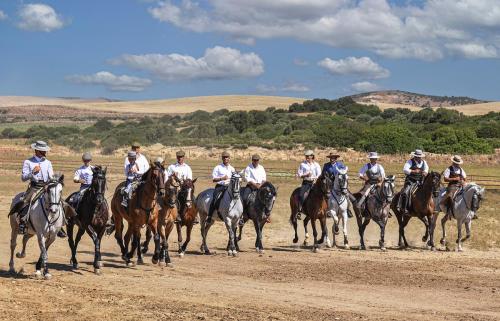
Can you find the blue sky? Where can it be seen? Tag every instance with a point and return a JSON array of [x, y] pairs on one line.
[[143, 49]]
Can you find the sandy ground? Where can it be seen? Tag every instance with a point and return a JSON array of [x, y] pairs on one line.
[[285, 283]]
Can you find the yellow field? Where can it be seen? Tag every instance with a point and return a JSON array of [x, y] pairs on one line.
[[474, 109]]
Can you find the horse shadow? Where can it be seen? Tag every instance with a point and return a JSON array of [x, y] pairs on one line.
[[106, 254]]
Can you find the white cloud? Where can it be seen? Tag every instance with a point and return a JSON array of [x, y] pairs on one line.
[[396, 31], [39, 17], [286, 87], [111, 81], [3, 15], [473, 50], [364, 86], [300, 62], [216, 63], [363, 66]]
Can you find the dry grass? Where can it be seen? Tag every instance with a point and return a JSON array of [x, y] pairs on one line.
[[473, 109]]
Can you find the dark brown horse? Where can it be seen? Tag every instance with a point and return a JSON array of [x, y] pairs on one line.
[[315, 207], [422, 207], [187, 212], [140, 211], [92, 214]]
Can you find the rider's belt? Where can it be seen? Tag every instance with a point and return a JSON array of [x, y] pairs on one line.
[[37, 184], [305, 181]]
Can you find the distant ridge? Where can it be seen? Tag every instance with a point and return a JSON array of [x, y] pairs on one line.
[[399, 97]]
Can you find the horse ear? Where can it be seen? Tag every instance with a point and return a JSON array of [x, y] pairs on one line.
[[61, 178], [105, 169], [194, 180]]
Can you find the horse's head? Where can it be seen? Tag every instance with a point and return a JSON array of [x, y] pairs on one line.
[[99, 183], [436, 183], [325, 183], [172, 187], [342, 181], [388, 188], [54, 192], [234, 185], [476, 193], [267, 195], [186, 194], [157, 176]]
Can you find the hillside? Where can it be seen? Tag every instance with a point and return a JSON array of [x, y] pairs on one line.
[[397, 97]]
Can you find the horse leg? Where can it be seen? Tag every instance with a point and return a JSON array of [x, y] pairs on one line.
[[231, 249], [130, 234], [426, 223], [459, 235], [26, 238], [145, 244], [13, 244], [362, 228], [168, 230], [119, 237], [189, 229], [432, 225], [42, 261], [405, 221], [344, 229], [140, 260], [315, 234], [306, 234], [236, 246], [258, 244], [261, 246], [97, 250], [293, 220], [381, 242], [443, 227], [468, 223], [71, 243], [324, 230], [78, 237], [205, 227], [240, 230], [178, 227]]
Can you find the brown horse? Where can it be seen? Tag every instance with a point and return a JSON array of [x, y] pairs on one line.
[[315, 207], [140, 211], [422, 207], [187, 211]]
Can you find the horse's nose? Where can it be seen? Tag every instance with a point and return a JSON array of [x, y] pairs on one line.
[[188, 204], [53, 208]]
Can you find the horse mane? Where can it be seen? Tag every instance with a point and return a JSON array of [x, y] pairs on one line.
[[271, 186]]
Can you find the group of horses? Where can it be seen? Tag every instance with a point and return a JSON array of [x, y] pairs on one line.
[[157, 202]]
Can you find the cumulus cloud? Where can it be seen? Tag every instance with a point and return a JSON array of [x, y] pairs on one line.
[[39, 17], [289, 86], [473, 50], [3, 15], [424, 32], [364, 86], [363, 66], [216, 63], [112, 82]]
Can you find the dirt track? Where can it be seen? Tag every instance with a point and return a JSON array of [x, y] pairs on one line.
[[286, 283]]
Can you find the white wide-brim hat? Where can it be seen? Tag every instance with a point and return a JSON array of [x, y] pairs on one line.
[[373, 155], [417, 153], [457, 160], [41, 146]]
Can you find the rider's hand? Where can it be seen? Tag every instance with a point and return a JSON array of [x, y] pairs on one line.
[[223, 178], [82, 181], [308, 174], [133, 170], [36, 169]]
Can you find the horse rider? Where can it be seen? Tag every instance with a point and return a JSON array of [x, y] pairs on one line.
[[132, 174], [141, 160], [181, 171], [221, 175], [38, 170], [455, 177], [332, 169], [255, 176], [372, 174], [415, 170], [309, 170], [83, 176]]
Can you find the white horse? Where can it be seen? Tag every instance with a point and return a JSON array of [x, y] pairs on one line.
[[338, 204], [46, 217], [230, 209], [465, 205]]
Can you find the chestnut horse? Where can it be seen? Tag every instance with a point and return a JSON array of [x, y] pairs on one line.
[[140, 211], [315, 207], [187, 212], [421, 206]]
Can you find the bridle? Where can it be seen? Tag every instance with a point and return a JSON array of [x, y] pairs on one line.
[[342, 182], [234, 185]]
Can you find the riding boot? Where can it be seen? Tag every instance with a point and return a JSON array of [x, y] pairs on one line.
[[125, 201], [61, 234]]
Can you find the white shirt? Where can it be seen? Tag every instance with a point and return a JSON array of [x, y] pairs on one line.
[[255, 175], [377, 168], [182, 171], [422, 165], [85, 173], [446, 173], [44, 175], [222, 170], [131, 176], [306, 167], [142, 163]]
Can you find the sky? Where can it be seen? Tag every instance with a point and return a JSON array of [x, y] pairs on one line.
[[147, 49]]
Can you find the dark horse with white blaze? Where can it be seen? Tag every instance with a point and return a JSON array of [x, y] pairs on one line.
[[258, 208], [92, 213], [187, 211], [376, 208], [421, 206], [315, 208]]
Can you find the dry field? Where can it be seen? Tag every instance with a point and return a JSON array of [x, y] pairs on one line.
[[286, 283], [470, 110]]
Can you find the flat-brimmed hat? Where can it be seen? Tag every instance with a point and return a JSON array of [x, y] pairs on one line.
[[180, 153], [333, 155], [255, 157], [457, 160], [225, 154], [132, 154], [308, 153], [159, 160], [40, 145], [417, 153], [87, 156], [373, 155], [135, 144]]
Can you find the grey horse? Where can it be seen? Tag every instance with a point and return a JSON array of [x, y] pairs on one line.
[[46, 217], [230, 210], [338, 206], [465, 205]]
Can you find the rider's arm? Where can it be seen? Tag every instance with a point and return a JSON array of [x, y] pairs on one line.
[[50, 170], [216, 176], [406, 168], [264, 175], [76, 178], [362, 173], [425, 168], [446, 176], [382, 173], [26, 173], [189, 173]]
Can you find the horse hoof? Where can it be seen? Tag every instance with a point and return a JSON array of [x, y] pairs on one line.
[[144, 250], [140, 262], [305, 243], [383, 249], [229, 253], [47, 276], [97, 271], [75, 266], [307, 236], [170, 265], [424, 239], [38, 274], [100, 264], [315, 250], [362, 247], [20, 255], [442, 241], [130, 264], [295, 240], [162, 263], [181, 254], [433, 248], [125, 258], [346, 246], [460, 249], [235, 253], [154, 261]]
